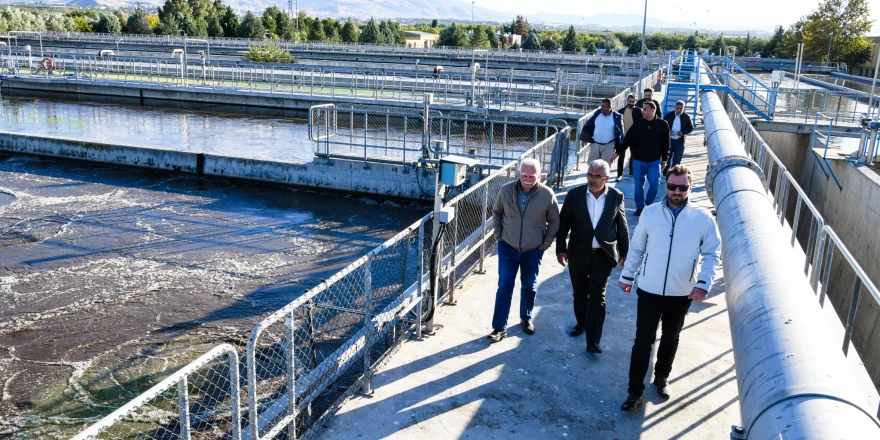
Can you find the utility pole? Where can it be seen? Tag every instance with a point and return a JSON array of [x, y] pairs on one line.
[[830, 39], [642, 52], [472, 11]]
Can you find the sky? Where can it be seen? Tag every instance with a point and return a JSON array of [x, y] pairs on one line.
[[739, 12]]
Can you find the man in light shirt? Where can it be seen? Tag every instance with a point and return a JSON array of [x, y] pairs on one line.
[[604, 132], [680, 126], [595, 215]]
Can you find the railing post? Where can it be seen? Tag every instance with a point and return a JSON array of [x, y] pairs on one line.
[[367, 383], [235, 395], [451, 299], [483, 220], [183, 407], [420, 249], [290, 360], [851, 318]]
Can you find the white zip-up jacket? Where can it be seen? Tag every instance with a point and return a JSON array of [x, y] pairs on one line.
[[665, 252]]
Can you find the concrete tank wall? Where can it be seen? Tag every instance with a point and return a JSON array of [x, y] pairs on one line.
[[853, 212], [387, 180]]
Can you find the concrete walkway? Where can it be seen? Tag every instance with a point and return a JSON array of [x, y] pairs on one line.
[[456, 384]]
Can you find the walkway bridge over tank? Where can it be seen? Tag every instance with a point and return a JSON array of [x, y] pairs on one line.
[[792, 323]]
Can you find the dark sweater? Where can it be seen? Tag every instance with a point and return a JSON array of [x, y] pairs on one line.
[[647, 140]]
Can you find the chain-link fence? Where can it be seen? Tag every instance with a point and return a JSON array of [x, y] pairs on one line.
[[200, 401], [304, 360]]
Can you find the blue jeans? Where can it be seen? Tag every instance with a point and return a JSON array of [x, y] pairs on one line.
[[510, 261], [640, 171], [676, 151]]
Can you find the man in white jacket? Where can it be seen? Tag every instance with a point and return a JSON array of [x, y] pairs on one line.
[[674, 252]]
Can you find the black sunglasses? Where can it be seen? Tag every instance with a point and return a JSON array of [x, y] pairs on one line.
[[673, 187]]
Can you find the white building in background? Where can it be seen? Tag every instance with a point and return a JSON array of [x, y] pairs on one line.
[[419, 39]]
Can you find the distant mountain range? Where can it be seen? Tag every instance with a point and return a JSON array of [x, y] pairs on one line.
[[442, 10]]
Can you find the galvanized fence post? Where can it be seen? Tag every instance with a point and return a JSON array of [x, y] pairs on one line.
[[290, 360], [183, 407], [851, 318], [367, 384], [485, 207], [420, 250], [235, 395]]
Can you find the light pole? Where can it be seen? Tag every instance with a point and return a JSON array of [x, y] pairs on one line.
[[830, 39], [642, 52], [472, 11]]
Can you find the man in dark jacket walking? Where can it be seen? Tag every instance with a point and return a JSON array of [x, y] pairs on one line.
[[680, 126], [595, 215], [630, 115], [525, 218], [648, 141], [604, 132]]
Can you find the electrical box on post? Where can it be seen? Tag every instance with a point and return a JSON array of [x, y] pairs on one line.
[[777, 77], [446, 214], [453, 169]]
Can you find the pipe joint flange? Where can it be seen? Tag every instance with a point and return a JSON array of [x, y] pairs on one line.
[[730, 161]]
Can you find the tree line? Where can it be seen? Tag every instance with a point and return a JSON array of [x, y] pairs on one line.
[[840, 25]]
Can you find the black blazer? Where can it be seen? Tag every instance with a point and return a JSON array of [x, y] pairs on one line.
[[611, 232], [686, 125]]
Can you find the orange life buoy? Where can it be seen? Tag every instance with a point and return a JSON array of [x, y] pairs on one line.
[[47, 64]]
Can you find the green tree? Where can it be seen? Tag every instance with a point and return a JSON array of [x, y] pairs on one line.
[[251, 27], [108, 23], [453, 36], [592, 48], [533, 42], [371, 33], [692, 42], [718, 45], [844, 24], [269, 20], [515, 46], [772, 45], [138, 23], [492, 37], [230, 23], [349, 32], [479, 39], [521, 26], [549, 44], [571, 43], [316, 30], [434, 23], [635, 47]]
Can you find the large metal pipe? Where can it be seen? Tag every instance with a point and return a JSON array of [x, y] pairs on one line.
[[794, 382]]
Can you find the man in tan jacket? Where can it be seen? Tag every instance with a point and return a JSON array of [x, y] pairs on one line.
[[526, 219]]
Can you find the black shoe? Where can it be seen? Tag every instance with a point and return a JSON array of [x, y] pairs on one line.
[[638, 212], [528, 327], [662, 387], [632, 403], [619, 178], [497, 335], [577, 331], [593, 347]]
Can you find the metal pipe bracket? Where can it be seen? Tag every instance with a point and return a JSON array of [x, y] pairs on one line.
[[727, 162]]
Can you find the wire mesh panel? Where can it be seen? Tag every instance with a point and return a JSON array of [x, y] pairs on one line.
[[201, 401]]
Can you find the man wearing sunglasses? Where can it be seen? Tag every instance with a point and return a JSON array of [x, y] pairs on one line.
[[595, 216], [674, 252]]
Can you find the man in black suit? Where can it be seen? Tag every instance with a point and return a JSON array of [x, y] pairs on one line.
[[595, 215]]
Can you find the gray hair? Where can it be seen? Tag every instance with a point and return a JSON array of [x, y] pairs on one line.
[[531, 162], [679, 102], [600, 164]]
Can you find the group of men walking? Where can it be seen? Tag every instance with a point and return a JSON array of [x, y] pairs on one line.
[[672, 257]]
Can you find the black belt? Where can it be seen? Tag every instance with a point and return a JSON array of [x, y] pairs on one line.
[[596, 250]]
